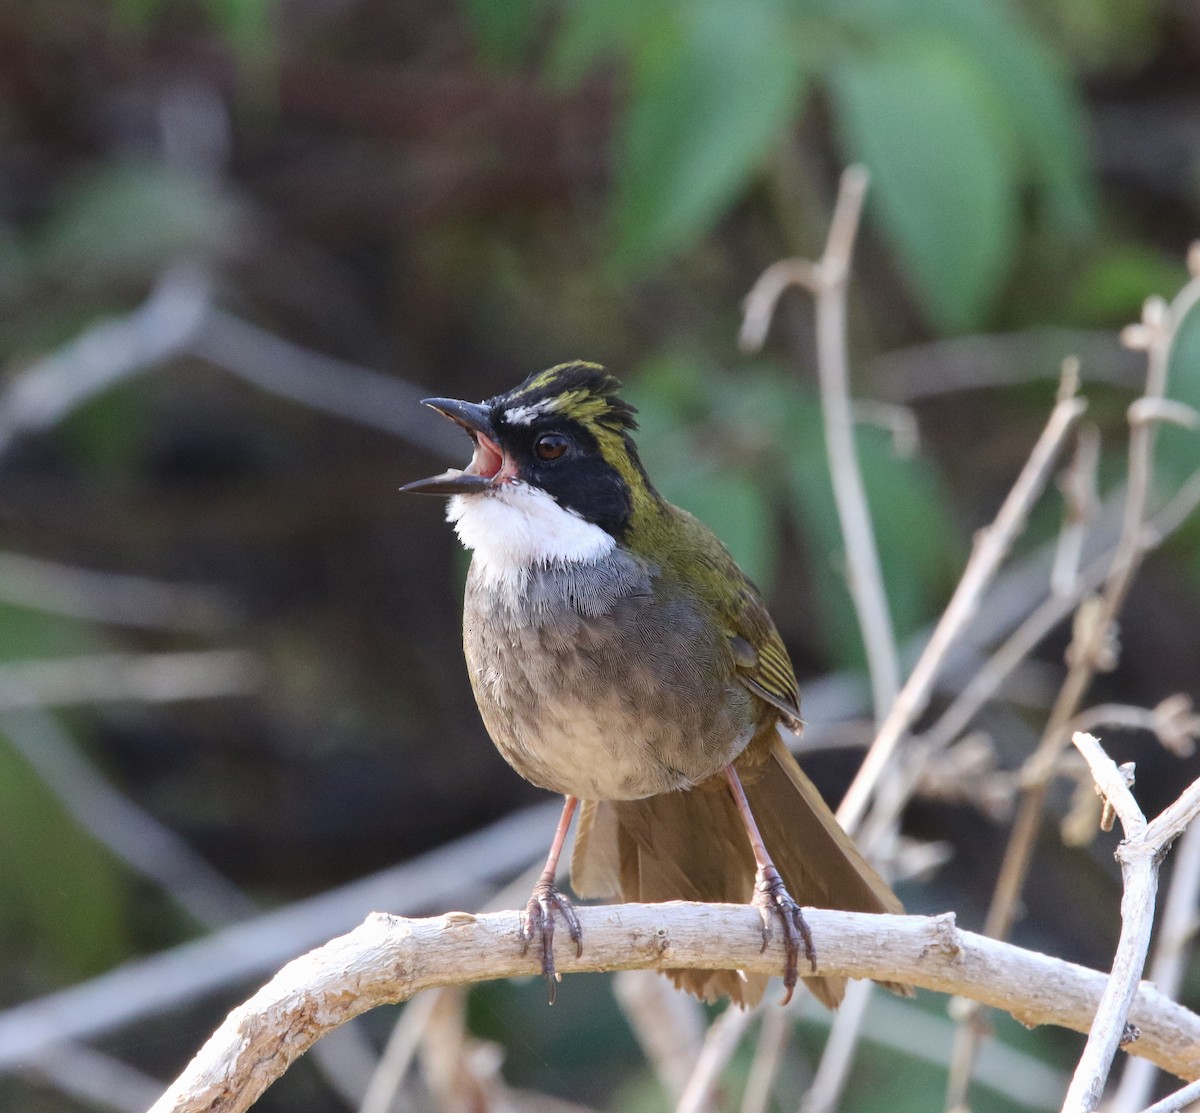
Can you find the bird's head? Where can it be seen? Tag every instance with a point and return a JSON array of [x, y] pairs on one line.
[[555, 474]]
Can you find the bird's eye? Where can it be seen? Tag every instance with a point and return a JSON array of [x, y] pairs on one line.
[[550, 446]]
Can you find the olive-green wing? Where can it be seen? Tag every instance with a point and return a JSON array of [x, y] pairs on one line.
[[762, 661], [701, 562]]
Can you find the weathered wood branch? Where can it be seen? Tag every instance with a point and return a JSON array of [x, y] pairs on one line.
[[387, 959]]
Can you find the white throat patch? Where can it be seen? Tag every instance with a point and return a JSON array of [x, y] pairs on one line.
[[515, 527]]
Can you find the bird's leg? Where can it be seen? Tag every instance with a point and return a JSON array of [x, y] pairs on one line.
[[546, 900], [771, 896]]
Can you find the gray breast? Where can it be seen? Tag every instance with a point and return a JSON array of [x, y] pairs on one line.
[[593, 683]]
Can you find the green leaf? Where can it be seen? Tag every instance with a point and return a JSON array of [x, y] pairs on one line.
[[1036, 98], [249, 26], [505, 29], [913, 532], [591, 32], [108, 433], [1178, 449], [713, 86], [926, 121], [679, 402], [1113, 285], [128, 220], [57, 886], [13, 263], [26, 632], [736, 509]]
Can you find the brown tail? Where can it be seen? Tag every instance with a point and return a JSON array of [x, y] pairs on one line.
[[692, 846]]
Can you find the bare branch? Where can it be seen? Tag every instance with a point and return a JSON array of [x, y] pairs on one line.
[[1156, 334], [110, 350], [1078, 485], [179, 318], [112, 597], [387, 959], [145, 677], [1139, 855], [1164, 829], [1112, 784], [320, 382], [830, 1078], [145, 845], [668, 1025], [768, 1057], [1175, 931]]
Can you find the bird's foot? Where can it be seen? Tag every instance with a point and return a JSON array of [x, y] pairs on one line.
[[771, 898], [538, 923]]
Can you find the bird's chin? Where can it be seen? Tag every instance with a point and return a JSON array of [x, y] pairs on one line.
[[519, 527]]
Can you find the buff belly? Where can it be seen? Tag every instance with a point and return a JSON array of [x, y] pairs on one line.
[[617, 704]]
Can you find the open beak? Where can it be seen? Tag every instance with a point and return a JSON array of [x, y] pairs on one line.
[[485, 464]]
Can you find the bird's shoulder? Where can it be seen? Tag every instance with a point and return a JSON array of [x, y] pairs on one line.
[[696, 560]]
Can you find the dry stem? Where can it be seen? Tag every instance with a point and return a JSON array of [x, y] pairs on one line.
[[1155, 334], [991, 547], [1139, 854], [827, 280], [1175, 932]]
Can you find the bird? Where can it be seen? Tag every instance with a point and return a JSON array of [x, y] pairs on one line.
[[620, 658]]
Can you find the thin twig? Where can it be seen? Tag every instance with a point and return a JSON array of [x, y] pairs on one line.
[[320, 382], [1155, 334], [113, 349], [1078, 485], [991, 547], [827, 281], [899, 422], [961, 365], [110, 597], [1112, 784], [669, 1026], [179, 318], [145, 845], [95, 1078], [398, 1054], [1169, 963], [1017, 647], [1184, 1098], [165, 981], [830, 1079], [140, 677], [1168, 519], [773, 1035], [720, 1042], [409, 1030], [1020, 642], [1139, 854]]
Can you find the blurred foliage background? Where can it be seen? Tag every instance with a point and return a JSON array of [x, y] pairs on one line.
[[451, 196]]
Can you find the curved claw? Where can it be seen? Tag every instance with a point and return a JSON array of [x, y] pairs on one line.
[[771, 898], [539, 921]]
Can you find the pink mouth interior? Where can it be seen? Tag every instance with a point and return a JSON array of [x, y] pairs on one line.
[[488, 459]]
